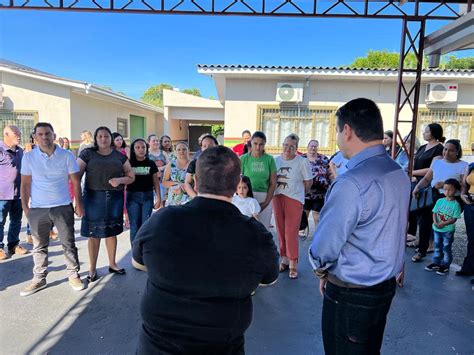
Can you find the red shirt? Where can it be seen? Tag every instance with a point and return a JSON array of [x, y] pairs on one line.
[[239, 149]]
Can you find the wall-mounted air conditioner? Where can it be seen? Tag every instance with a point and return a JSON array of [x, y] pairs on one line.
[[441, 92], [1, 97], [289, 92]]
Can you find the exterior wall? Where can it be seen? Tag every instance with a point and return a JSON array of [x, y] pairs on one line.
[[51, 101], [245, 96], [89, 113]]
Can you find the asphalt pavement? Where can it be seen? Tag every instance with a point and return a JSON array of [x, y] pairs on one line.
[[431, 314]]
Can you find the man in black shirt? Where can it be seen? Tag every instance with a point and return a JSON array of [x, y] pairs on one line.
[[204, 259]]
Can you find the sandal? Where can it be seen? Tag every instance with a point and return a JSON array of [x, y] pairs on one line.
[[293, 274], [412, 244], [284, 267]]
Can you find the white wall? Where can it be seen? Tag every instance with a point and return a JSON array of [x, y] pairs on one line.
[[51, 101]]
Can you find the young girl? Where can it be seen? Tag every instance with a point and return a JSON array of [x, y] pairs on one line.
[[244, 200], [140, 200]]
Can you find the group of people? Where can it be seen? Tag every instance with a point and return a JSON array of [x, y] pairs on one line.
[[226, 199]]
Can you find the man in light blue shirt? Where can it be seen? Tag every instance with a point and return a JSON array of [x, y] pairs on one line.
[[358, 246]]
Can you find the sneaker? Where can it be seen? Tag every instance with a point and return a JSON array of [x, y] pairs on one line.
[[432, 267], [76, 283], [29, 239], [19, 250], [443, 270], [3, 255], [33, 287], [417, 257]]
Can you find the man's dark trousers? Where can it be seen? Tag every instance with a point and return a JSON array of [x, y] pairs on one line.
[[353, 320], [14, 210]]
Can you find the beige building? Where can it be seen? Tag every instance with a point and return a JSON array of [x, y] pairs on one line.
[[280, 100], [28, 96], [186, 116]]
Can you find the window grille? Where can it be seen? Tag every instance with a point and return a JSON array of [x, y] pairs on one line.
[[24, 120]]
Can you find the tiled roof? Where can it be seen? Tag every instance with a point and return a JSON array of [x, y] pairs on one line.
[[302, 68]]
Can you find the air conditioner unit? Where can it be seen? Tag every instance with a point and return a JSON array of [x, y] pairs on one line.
[[289, 92], [441, 92], [1, 97]]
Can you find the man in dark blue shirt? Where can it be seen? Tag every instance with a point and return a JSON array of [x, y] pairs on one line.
[[358, 246], [203, 259]]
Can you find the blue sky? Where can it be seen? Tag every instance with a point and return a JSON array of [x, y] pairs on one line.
[[133, 52]]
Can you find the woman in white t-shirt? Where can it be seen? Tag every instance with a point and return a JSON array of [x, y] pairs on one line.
[[244, 200], [450, 166], [294, 179]]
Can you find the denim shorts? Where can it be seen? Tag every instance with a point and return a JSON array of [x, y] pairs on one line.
[[103, 213]]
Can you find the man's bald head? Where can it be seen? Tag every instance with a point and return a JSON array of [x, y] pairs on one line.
[[11, 136]]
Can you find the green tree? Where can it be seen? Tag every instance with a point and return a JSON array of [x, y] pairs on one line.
[[384, 60], [193, 91], [217, 129], [154, 94], [453, 62]]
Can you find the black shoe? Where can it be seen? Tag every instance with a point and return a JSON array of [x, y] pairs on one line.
[[92, 278], [464, 273], [432, 267], [119, 271], [443, 270]]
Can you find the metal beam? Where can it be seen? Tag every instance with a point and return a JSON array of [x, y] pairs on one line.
[[383, 9]]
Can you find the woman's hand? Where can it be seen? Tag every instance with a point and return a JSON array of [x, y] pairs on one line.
[[264, 205], [465, 199], [177, 189], [115, 182], [415, 192], [157, 205], [439, 185]]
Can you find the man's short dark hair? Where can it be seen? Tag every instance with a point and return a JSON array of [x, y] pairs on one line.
[[364, 117], [44, 125], [218, 171]]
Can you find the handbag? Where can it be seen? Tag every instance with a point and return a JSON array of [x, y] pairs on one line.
[[427, 198]]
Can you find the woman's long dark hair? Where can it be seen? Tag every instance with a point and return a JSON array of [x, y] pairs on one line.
[[102, 128], [246, 181], [161, 142], [457, 144], [133, 157], [115, 135]]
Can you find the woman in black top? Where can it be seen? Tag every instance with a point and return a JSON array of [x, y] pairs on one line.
[[140, 200], [433, 134], [107, 172]]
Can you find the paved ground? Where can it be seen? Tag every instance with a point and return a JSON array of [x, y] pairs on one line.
[[431, 315]]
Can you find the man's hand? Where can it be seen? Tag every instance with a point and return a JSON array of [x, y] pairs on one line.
[[322, 285], [79, 210], [264, 205]]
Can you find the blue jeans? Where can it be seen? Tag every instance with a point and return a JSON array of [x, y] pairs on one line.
[[139, 208], [12, 208], [443, 242]]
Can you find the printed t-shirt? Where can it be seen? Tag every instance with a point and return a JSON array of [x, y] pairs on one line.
[[247, 206], [446, 210], [258, 170], [144, 171], [290, 177]]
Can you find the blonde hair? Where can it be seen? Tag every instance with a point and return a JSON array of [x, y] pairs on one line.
[[86, 137]]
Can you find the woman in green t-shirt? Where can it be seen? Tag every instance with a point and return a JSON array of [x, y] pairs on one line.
[[261, 169]]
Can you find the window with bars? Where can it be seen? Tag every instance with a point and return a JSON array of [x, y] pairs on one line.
[[307, 123], [456, 125], [24, 120]]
